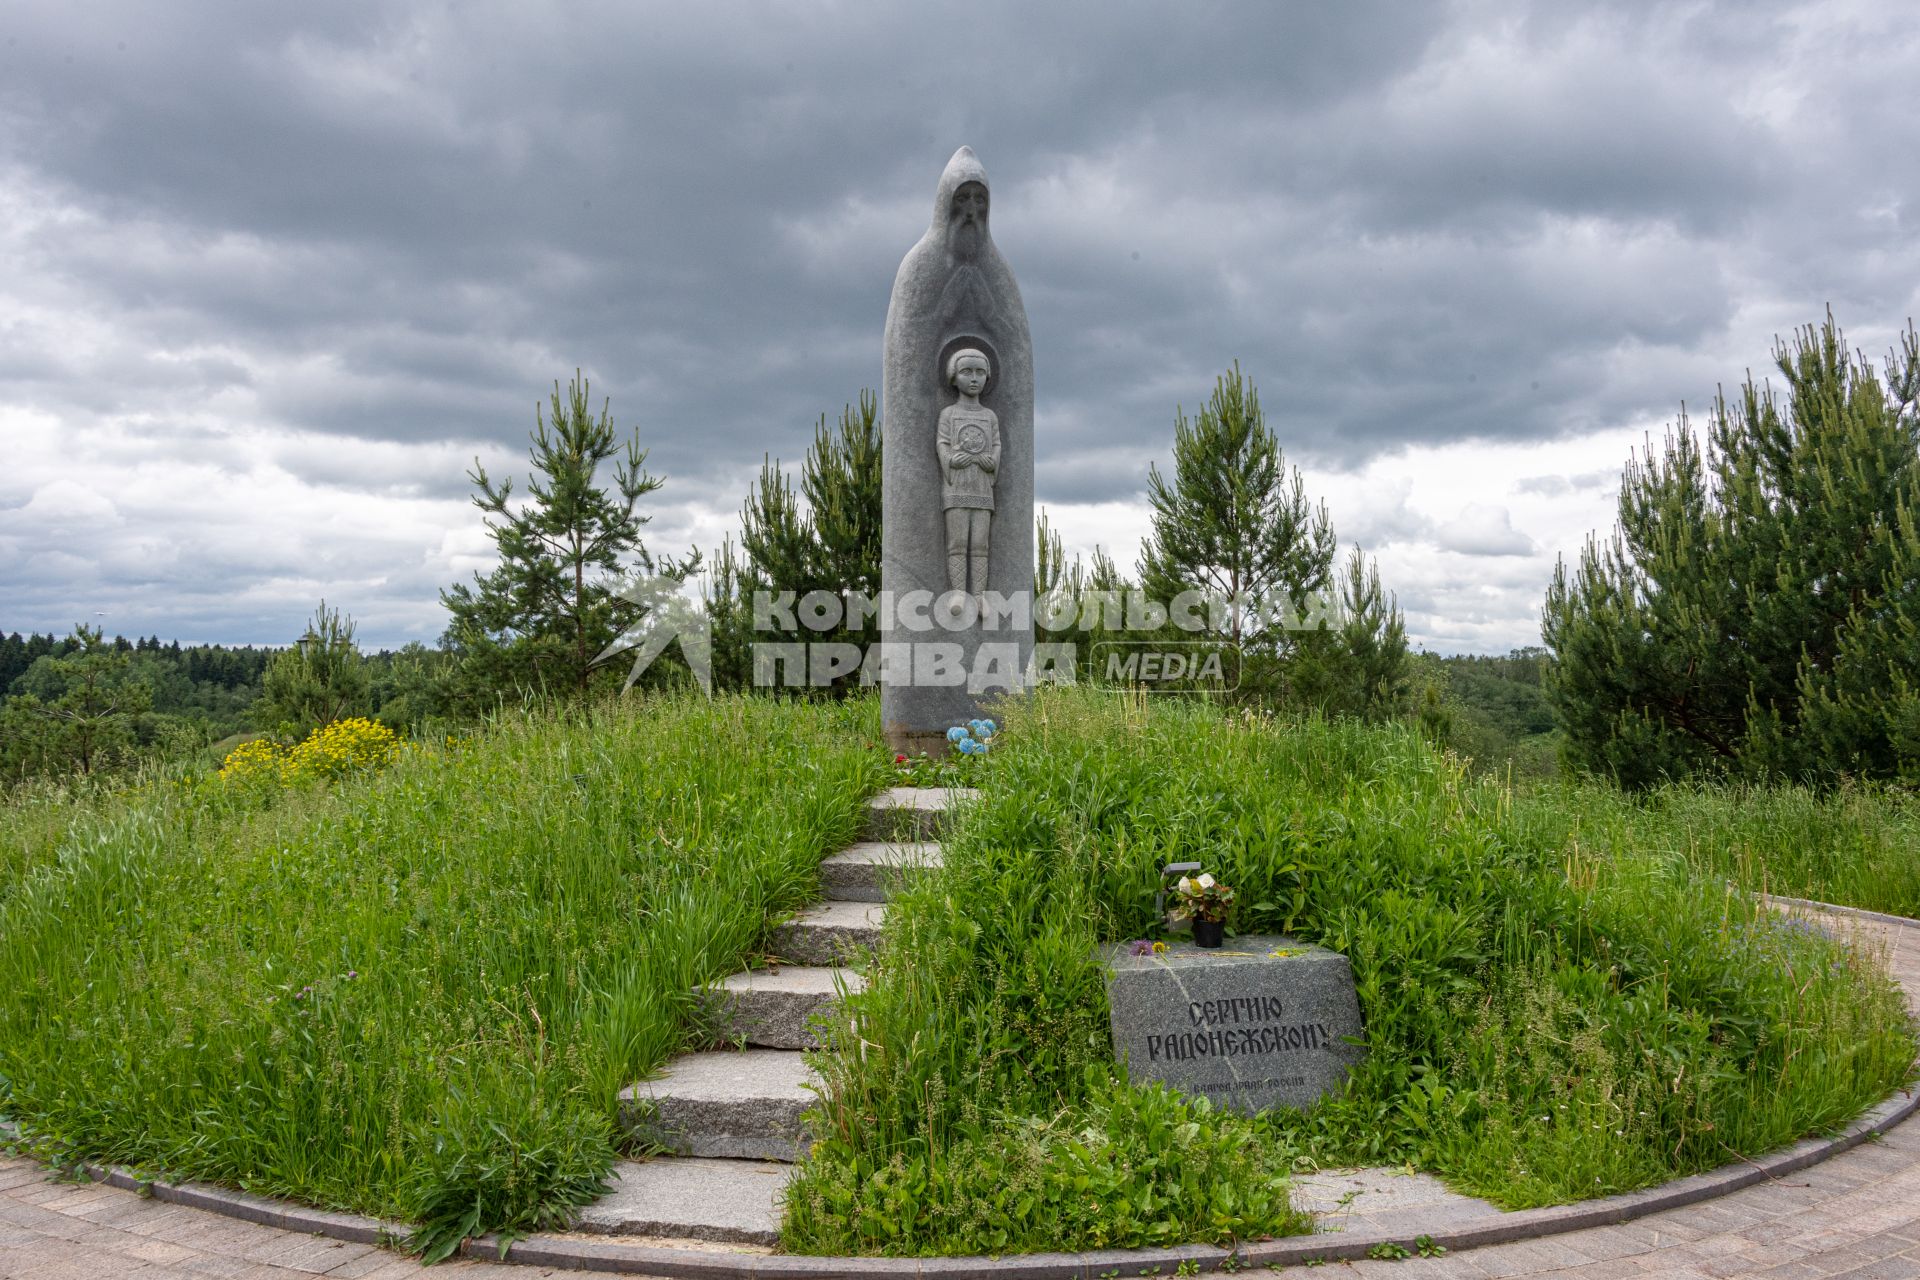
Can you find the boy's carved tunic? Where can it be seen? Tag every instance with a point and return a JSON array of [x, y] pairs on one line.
[[969, 446]]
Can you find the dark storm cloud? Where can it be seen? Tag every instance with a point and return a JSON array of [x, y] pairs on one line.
[[235, 229]]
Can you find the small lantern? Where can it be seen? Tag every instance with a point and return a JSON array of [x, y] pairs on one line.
[[1172, 871], [306, 643]]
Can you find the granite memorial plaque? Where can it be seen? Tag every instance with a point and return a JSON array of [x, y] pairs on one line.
[[1264, 1021]]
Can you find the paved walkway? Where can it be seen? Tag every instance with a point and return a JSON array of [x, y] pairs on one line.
[[1855, 1217]]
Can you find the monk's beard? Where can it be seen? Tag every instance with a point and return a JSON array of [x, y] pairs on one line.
[[965, 241]]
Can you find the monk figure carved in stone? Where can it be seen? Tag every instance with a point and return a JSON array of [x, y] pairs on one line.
[[969, 449]]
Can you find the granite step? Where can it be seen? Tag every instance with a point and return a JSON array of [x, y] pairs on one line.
[[777, 1008], [914, 813], [692, 1198], [869, 871], [728, 1103], [829, 933]]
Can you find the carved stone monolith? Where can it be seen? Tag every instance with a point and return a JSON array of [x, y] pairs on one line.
[[956, 532]]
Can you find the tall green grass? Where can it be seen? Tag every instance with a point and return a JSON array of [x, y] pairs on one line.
[[416, 994], [1547, 1019], [1858, 846], [35, 814]]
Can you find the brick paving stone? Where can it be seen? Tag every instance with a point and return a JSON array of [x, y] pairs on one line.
[[1777, 1198], [161, 1218], [49, 1260], [1759, 1258], [1878, 1244], [1896, 1268], [1792, 1271], [20, 1173], [1370, 1269], [240, 1269], [1474, 1265], [1683, 1255], [1661, 1231], [160, 1251], [122, 1211], [1716, 1217], [1731, 1264], [1530, 1257], [1604, 1243], [72, 1199], [1612, 1269], [1852, 1258], [391, 1267], [361, 1267], [40, 1193], [226, 1267]]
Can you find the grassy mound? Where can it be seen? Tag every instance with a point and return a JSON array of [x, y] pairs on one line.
[[1547, 1019], [415, 994]]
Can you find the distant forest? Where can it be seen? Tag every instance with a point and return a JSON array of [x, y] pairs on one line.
[[84, 702], [1496, 711], [200, 699], [214, 685]]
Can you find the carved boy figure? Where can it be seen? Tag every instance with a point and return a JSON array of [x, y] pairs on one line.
[[969, 448]]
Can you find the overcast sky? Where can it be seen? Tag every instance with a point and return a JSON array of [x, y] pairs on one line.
[[273, 275]]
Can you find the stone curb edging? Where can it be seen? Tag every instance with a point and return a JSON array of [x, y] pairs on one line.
[[1857, 913], [577, 1253]]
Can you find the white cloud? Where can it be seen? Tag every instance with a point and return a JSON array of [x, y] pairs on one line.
[[1483, 530]]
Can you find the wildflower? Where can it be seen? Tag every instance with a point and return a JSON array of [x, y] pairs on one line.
[[1140, 947], [899, 759], [957, 734], [1159, 948]]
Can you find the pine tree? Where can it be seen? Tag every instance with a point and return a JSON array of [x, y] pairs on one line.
[[728, 610], [316, 681], [1755, 611], [540, 619], [830, 542], [78, 709], [1087, 602], [1360, 667], [1235, 523], [841, 479]]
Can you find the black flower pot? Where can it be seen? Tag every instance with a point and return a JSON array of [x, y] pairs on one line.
[[1209, 933]]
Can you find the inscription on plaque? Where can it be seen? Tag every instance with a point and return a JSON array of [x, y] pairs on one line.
[[1263, 1022]]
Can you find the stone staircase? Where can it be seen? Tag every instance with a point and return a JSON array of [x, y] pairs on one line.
[[731, 1116]]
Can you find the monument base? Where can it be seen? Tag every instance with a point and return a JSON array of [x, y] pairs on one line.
[[1265, 1021], [911, 742]]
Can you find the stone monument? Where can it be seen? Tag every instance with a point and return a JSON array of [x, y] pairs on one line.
[[1263, 1022], [956, 529]]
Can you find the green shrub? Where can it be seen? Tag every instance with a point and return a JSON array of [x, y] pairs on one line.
[[1127, 1168]]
